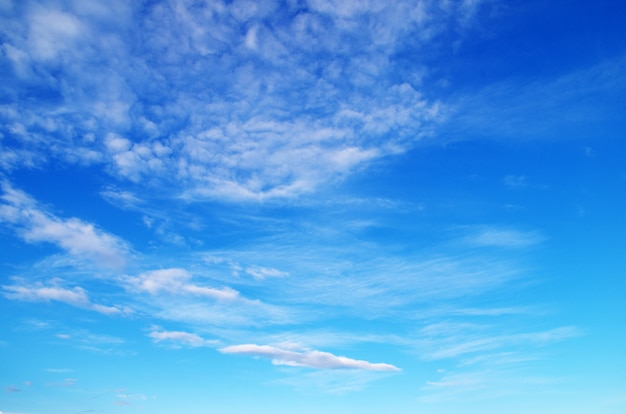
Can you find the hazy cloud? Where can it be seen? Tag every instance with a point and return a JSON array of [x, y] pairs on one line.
[[502, 237]]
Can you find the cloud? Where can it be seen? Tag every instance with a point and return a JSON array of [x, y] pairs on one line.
[[177, 281], [260, 273], [77, 296], [338, 382], [121, 198], [288, 109], [579, 103], [306, 358], [179, 337], [499, 237], [68, 382], [80, 239], [516, 181], [59, 370], [452, 340]]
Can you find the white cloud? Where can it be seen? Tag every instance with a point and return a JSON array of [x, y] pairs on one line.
[[77, 237], [177, 282], [121, 198], [500, 237], [53, 32], [260, 273], [179, 337], [306, 358], [226, 136], [77, 296]]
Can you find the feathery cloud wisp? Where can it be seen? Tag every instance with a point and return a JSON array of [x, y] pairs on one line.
[[77, 296], [80, 239], [178, 337], [177, 281]]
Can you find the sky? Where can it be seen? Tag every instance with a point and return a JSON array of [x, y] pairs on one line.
[[312, 206]]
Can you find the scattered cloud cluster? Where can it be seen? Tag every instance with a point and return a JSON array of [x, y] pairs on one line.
[[255, 105], [131, 71]]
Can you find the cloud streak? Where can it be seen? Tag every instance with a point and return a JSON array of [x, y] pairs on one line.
[[179, 338], [77, 296], [78, 238], [306, 358], [177, 281]]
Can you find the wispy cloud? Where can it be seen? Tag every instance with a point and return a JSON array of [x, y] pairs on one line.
[[94, 342], [336, 381], [489, 236], [575, 104], [177, 281], [487, 384], [68, 382], [174, 294], [178, 338], [54, 291], [306, 358], [452, 340], [80, 239], [260, 273]]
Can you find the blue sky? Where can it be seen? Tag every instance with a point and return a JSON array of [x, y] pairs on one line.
[[312, 206]]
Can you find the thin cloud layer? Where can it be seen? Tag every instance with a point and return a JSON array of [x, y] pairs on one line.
[[502, 237], [306, 358]]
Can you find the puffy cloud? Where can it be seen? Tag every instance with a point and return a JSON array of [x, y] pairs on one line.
[[306, 358]]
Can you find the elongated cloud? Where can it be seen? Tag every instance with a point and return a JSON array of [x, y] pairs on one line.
[[306, 358], [179, 337], [503, 237], [80, 239], [261, 273], [76, 296], [177, 281]]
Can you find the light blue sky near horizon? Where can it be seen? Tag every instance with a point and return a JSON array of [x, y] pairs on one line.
[[312, 206]]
